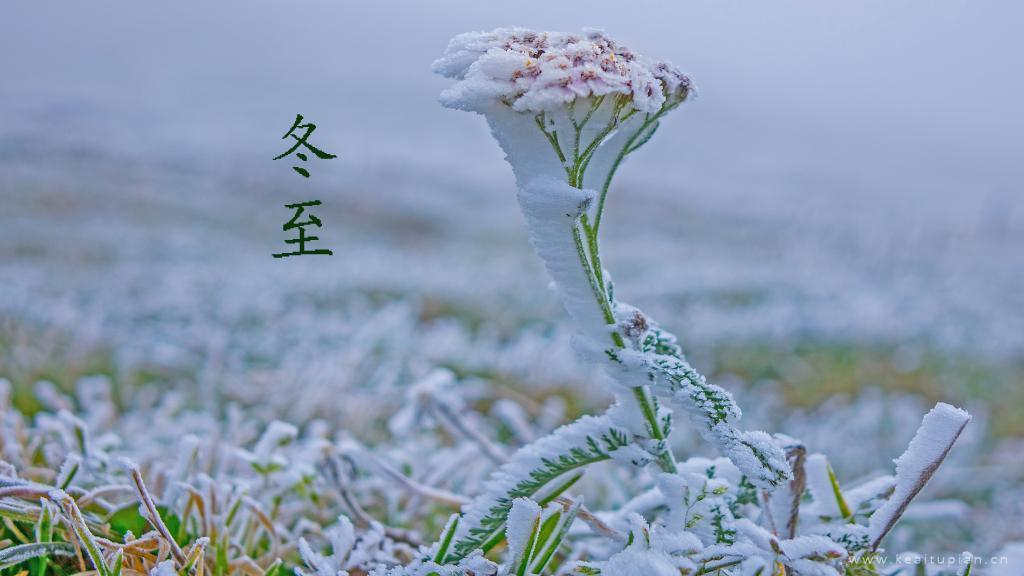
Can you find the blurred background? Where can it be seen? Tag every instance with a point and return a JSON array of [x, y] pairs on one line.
[[834, 227]]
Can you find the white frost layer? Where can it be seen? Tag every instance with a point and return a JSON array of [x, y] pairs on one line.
[[551, 208], [521, 520], [635, 561], [939, 430]]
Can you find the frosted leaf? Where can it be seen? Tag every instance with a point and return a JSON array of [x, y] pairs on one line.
[[632, 456], [522, 519], [710, 408], [820, 486], [343, 542], [811, 547], [929, 447], [69, 469], [587, 440], [342, 537], [697, 505], [512, 415], [416, 397], [535, 534], [721, 468], [853, 537]]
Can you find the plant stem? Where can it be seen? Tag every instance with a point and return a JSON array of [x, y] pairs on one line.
[[595, 286], [589, 253], [626, 149]]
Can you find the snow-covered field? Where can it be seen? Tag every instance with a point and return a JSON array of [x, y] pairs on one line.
[[858, 205]]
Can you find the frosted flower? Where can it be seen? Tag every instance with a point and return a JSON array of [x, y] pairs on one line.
[[541, 71], [561, 104]]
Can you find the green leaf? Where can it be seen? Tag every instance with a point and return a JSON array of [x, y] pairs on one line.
[[446, 538], [127, 518], [844, 508], [602, 439], [553, 541]]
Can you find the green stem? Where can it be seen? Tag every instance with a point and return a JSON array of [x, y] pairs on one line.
[[589, 254], [553, 139], [602, 301], [666, 460], [626, 149]]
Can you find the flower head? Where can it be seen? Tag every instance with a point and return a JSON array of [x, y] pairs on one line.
[[542, 71]]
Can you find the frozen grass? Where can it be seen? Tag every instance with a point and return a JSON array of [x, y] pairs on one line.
[[500, 352]]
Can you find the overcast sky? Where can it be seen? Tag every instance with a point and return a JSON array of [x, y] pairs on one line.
[[874, 98]]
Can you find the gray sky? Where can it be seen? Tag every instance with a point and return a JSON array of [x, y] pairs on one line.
[[924, 93]]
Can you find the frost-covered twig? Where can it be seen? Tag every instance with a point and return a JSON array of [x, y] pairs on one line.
[[929, 447], [797, 456]]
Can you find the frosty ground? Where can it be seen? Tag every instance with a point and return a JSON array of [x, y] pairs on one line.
[[159, 277]]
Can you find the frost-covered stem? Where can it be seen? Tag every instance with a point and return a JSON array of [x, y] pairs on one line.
[[796, 456], [939, 430], [541, 471], [599, 293], [589, 254], [630, 146], [666, 459], [154, 514]]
